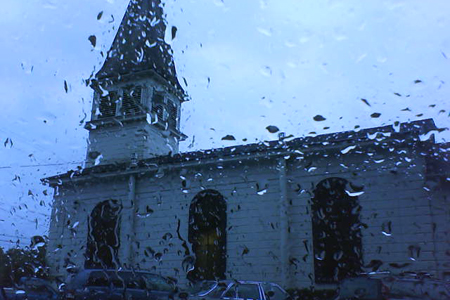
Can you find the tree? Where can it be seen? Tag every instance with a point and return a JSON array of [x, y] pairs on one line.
[[30, 261]]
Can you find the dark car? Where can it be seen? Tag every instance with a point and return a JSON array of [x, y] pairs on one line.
[[31, 289], [97, 284], [417, 288], [393, 288], [229, 290], [2, 293], [362, 288]]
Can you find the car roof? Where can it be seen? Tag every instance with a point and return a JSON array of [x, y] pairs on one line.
[[116, 271]]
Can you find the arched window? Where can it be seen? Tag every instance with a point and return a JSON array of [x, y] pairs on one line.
[[336, 233], [103, 235], [207, 234]]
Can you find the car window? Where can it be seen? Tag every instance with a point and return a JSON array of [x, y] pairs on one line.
[[248, 291], [135, 283], [202, 287], [39, 289], [128, 280], [97, 279], [278, 293], [219, 290], [231, 293], [117, 282], [155, 282]]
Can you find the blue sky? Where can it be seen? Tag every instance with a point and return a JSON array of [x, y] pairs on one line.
[[248, 64]]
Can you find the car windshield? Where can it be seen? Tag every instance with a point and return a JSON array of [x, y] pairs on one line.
[[219, 290], [202, 287], [248, 291], [98, 278], [158, 283]]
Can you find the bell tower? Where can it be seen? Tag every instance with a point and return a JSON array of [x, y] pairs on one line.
[[137, 96]]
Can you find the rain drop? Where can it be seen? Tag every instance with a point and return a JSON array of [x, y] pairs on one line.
[[319, 118]]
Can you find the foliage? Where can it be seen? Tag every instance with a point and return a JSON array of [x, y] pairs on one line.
[[16, 263]]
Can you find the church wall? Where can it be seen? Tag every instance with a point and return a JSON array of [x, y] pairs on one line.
[[253, 219], [75, 201], [440, 229], [394, 200]]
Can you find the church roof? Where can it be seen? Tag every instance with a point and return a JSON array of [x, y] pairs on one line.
[[409, 133], [139, 45]]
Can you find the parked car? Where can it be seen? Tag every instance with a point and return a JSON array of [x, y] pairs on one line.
[[98, 284], [229, 290], [362, 288], [2, 293], [393, 288], [31, 289], [417, 288]]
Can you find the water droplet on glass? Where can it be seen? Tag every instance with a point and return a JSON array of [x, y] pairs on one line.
[[147, 213], [354, 194], [228, 137], [188, 264], [338, 255], [262, 191], [414, 252], [386, 228], [320, 255], [158, 256], [150, 45], [319, 118], [272, 129], [266, 71], [98, 160], [264, 31], [167, 236], [348, 149], [311, 169]]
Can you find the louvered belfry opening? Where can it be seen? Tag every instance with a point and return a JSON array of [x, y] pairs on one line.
[[108, 105], [131, 101], [158, 106], [165, 111], [173, 115]]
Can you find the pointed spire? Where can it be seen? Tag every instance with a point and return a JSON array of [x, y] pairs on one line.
[[139, 44]]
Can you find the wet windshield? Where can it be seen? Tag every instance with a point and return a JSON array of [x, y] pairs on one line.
[[297, 143]]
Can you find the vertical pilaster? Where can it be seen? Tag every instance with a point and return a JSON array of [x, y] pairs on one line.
[[128, 224], [284, 224]]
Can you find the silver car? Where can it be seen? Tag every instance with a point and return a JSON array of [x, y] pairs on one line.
[[97, 284], [230, 290]]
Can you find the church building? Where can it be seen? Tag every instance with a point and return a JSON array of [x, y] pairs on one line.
[[300, 212]]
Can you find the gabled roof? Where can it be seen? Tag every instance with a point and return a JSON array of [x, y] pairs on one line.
[[139, 45], [411, 133]]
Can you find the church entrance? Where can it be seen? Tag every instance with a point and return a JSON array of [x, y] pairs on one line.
[[336, 233], [207, 234], [103, 235]]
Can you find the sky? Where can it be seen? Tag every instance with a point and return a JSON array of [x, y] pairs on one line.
[[247, 64]]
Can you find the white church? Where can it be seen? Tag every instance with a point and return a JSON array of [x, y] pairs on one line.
[[304, 212]]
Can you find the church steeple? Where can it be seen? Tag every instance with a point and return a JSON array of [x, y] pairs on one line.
[[139, 44], [137, 98]]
